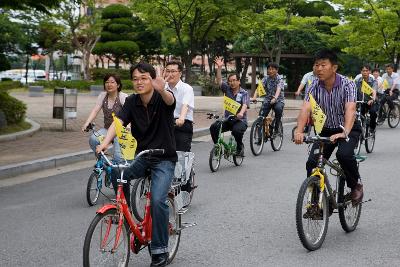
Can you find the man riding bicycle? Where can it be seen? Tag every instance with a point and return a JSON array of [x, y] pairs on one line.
[[369, 104], [151, 114], [274, 98], [237, 124], [392, 92], [336, 95]]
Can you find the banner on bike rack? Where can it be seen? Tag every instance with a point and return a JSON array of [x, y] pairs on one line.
[[366, 89], [231, 105], [317, 115], [126, 141], [260, 89]]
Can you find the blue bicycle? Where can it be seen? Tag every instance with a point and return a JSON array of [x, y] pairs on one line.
[[101, 172]]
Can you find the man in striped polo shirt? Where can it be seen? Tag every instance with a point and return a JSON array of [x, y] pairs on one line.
[[336, 95]]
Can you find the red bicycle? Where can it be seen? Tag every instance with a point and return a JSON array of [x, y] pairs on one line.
[[113, 233]]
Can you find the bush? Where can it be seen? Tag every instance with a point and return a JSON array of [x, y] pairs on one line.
[[208, 84], [8, 85], [98, 73], [14, 109]]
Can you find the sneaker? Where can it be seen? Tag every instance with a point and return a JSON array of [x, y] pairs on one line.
[[240, 151], [357, 194]]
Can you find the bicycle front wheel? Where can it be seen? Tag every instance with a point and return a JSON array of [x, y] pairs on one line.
[[357, 149], [349, 215], [92, 188], [215, 158], [394, 116], [100, 241], [174, 229], [311, 219], [277, 140], [138, 197], [369, 140], [257, 137], [238, 159]]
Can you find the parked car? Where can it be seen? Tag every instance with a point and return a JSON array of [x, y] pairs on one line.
[[33, 76]]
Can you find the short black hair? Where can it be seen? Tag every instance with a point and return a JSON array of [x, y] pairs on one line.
[[234, 74], [273, 65], [116, 78], [326, 54], [176, 62], [367, 66], [143, 67], [376, 69], [390, 65]]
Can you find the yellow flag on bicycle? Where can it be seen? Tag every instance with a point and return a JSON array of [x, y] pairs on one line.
[[366, 89], [260, 89], [317, 115], [126, 141], [385, 84], [231, 105]]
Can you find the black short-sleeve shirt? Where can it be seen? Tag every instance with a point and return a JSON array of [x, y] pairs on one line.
[[152, 126]]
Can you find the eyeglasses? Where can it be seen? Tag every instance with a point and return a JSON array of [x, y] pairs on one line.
[[171, 71], [141, 80]]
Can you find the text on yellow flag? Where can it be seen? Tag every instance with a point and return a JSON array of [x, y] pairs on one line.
[[231, 105], [260, 89], [365, 88], [317, 115]]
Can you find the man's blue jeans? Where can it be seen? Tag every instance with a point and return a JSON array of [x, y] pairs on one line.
[[162, 172]]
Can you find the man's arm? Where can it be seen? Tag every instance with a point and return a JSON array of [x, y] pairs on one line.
[[299, 89], [107, 140], [219, 61], [159, 85], [302, 121]]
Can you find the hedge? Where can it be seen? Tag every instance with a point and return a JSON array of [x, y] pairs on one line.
[[14, 109], [80, 85], [8, 85]]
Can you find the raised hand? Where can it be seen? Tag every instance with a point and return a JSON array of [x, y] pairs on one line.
[[158, 84], [219, 61]]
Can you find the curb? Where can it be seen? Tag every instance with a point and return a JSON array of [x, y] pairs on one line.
[[12, 170], [15, 136]]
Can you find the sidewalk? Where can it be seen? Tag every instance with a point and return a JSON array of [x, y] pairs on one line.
[[49, 147]]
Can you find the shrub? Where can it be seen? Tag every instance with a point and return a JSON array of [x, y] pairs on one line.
[[13, 108], [8, 85], [208, 84]]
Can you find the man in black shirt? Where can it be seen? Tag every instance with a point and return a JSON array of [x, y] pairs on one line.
[[151, 115]]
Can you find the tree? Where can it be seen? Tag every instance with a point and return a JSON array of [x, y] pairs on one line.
[[84, 27], [10, 35], [39, 5], [371, 29], [193, 22], [118, 35]]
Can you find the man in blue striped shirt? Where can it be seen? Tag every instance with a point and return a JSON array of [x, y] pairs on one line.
[[336, 95]]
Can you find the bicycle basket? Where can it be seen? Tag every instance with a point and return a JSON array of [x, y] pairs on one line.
[[183, 166]]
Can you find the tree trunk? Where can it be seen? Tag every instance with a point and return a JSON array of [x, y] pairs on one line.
[[26, 68], [116, 61], [188, 68], [85, 62], [244, 72]]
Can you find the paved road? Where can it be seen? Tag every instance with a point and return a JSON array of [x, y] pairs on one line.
[[245, 215]]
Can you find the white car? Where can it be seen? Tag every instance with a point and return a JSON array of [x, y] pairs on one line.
[[33, 76]]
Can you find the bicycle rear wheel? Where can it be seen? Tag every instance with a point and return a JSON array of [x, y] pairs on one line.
[[92, 188], [276, 142], [257, 137], [100, 239], [349, 215], [215, 158], [174, 229], [311, 220], [369, 140], [138, 197], [394, 116]]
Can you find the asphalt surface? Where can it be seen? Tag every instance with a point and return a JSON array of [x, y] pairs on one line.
[[245, 215]]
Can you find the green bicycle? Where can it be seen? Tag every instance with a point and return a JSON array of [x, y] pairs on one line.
[[222, 148]]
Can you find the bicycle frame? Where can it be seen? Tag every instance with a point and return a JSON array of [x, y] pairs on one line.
[[230, 146]]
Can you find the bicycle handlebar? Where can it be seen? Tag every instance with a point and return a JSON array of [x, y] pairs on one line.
[[90, 126], [149, 152], [315, 139]]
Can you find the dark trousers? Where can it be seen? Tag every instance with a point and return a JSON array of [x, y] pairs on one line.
[[344, 154], [183, 136], [278, 109], [389, 99], [373, 113], [237, 127]]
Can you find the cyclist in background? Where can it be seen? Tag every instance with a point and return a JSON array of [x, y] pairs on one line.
[[336, 95], [274, 85], [369, 104], [391, 93], [110, 101], [379, 81], [183, 113], [238, 124], [306, 81]]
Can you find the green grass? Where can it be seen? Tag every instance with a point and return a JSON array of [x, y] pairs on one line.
[[15, 128]]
